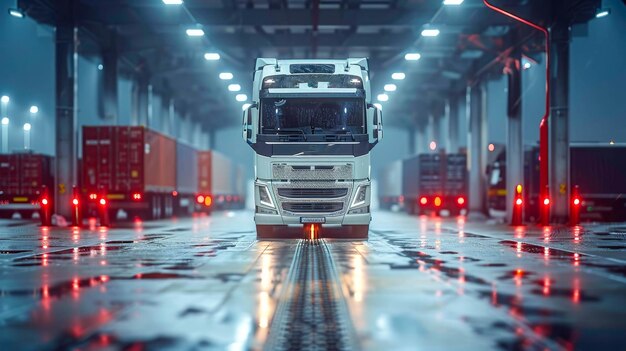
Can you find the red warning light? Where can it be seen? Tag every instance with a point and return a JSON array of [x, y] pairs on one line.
[[437, 201], [423, 200], [93, 196], [576, 201], [518, 202], [137, 196], [75, 202], [103, 202], [200, 199], [44, 202], [546, 201], [460, 201]]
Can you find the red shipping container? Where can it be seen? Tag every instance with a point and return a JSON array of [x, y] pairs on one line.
[[22, 176], [126, 160]]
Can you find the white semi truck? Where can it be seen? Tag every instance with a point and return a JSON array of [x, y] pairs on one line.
[[312, 126]]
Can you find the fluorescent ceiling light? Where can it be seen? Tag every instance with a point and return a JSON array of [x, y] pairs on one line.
[[603, 13], [452, 2], [226, 76], [383, 97], [27, 126], [195, 32], [34, 109], [234, 87], [5, 99], [390, 87], [241, 97], [16, 13], [173, 2], [211, 56], [398, 76], [5, 121], [412, 56], [430, 32]]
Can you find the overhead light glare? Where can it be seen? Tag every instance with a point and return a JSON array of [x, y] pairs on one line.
[[383, 97], [452, 2], [226, 76], [16, 13], [195, 32], [5, 99], [430, 32], [241, 97], [412, 56], [390, 87], [5, 121], [173, 2], [27, 126], [603, 13], [211, 56], [34, 109], [234, 87], [398, 76]]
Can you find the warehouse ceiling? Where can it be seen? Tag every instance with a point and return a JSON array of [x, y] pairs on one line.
[[151, 41]]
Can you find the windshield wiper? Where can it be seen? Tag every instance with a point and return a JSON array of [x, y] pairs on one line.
[[346, 132], [288, 131]]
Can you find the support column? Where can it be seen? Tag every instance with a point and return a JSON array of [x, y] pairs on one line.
[[171, 118], [422, 138], [411, 134], [477, 148], [110, 94], [452, 110], [212, 139], [66, 90], [150, 120], [559, 123], [514, 146]]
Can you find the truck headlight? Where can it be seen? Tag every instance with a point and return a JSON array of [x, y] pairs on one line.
[[359, 198], [264, 196]]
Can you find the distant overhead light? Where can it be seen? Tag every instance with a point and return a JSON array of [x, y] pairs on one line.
[[241, 97], [245, 106], [412, 56], [195, 32], [226, 76], [383, 97], [100, 67], [491, 147], [379, 106], [452, 2], [34, 109], [390, 87], [173, 2], [5, 99], [603, 13], [27, 126], [398, 76], [16, 13], [527, 65], [211, 56], [430, 32], [5, 121], [433, 145], [234, 87]]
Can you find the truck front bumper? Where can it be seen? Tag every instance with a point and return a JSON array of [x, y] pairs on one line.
[[278, 210]]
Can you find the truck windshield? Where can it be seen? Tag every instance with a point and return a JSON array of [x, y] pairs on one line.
[[312, 116]]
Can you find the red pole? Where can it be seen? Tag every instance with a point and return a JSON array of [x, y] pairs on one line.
[[543, 126]]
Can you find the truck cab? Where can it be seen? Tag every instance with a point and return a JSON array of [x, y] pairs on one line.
[[312, 126]]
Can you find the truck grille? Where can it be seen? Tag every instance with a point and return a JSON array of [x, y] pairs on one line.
[[309, 207], [309, 193]]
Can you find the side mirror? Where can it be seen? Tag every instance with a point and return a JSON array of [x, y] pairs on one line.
[[247, 124]]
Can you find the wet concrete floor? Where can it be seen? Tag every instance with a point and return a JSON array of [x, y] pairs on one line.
[[418, 283]]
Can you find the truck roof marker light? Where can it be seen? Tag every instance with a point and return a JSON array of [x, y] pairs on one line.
[[423, 200], [437, 201], [398, 76], [226, 76], [200, 199], [412, 56]]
